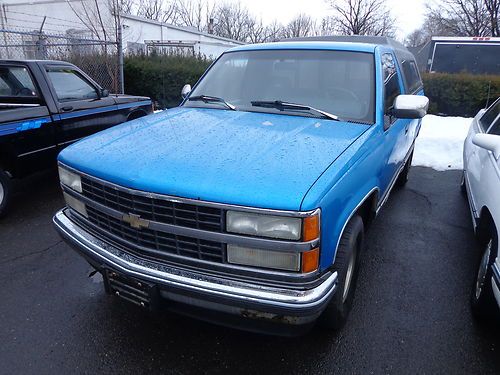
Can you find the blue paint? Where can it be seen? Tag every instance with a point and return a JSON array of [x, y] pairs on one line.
[[20, 126], [340, 46], [257, 159], [242, 158], [32, 124]]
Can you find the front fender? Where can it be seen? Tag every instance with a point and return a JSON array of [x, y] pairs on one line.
[[342, 189]]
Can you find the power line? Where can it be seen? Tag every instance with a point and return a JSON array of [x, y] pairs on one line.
[[69, 22], [36, 25]]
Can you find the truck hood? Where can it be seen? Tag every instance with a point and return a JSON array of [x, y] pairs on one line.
[[242, 158]]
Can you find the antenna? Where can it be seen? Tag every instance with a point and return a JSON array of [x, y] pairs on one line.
[[489, 94]]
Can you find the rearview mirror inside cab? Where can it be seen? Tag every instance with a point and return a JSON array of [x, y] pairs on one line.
[[410, 106]]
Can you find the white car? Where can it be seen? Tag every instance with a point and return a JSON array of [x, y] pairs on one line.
[[481, 182]]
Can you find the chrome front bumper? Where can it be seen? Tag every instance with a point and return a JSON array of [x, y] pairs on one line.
[[249, 300]]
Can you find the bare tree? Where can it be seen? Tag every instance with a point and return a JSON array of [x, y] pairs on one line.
[[273, 32], [233, 21], [157, 10], [460, 17], [416, 38], [194, 13], [300, 26], [328, 26], [125, 6], [493, 7], [257, 32], [93, 16], [362, 17]]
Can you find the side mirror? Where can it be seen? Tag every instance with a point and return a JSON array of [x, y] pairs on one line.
[[489, 142], [186, 90], [103, 93], [410, 106]]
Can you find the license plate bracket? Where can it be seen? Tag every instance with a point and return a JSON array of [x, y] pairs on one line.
[[138, 292]]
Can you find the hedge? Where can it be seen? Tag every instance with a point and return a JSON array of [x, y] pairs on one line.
[[460, 94], [162, 77]]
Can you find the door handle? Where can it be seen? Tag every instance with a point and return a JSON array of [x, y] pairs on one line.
[[406, 129], [67, 108]]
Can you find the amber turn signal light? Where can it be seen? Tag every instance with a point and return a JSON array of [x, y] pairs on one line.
[[310, 260], [311, 228]]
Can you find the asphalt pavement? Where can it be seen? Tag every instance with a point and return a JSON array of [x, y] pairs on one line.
[[411, 313]]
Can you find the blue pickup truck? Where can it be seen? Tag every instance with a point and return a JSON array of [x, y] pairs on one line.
[[247, 205]]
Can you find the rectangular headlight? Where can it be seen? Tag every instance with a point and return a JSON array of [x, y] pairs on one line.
[[263, 258], [75, 204], [70, 179], [287, 228]]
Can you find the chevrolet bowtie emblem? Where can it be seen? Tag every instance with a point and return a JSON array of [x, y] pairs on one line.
[[136, 221]]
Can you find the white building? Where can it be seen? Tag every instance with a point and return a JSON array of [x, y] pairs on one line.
[[78, 18], [140, 33]]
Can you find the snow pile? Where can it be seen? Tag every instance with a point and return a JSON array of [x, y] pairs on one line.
[[440, 142]]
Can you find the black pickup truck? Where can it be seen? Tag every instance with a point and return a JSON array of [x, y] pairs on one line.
[[47, 105]]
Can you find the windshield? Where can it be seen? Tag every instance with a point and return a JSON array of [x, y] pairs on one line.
[[337, 82]]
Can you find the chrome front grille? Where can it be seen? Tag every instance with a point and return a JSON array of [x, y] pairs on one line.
[[149, 242], [163, 211]]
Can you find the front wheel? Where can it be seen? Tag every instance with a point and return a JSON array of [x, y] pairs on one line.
[[483, 301], [347, 267], [5, 192]]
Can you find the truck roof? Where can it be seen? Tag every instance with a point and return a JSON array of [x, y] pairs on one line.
[[314, 45], [347, 43]]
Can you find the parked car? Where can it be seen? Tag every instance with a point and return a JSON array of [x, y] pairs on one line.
[[251, 199], [481, 183], [47, 105]]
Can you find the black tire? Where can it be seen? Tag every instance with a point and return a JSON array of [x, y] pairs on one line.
[[483, 302], [5, 193], [350, 247], [403, 176]]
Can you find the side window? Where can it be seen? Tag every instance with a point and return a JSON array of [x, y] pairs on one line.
[[391, 81], [70, 85], [491, 114], [495, 129], [412, 77], [15, 81]]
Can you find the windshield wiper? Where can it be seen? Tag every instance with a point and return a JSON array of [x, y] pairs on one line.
[[211, 99], [292, 106]]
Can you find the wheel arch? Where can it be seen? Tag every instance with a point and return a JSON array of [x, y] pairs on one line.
[[136, 114], [366, 209], [7, 163], [485, 225]]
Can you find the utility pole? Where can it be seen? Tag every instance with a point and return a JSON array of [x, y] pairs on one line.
[[119, 44]]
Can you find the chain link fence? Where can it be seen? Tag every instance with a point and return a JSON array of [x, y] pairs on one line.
[[99, 59]]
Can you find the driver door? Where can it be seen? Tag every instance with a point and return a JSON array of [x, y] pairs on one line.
[[395, 147], [82, 110]]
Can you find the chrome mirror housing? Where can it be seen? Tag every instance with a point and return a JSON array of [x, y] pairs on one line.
[[410, 106], [186, 90]]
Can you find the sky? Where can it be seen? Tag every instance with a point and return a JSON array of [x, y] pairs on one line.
[[409, 13]]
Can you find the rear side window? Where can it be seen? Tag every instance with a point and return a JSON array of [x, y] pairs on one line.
[[391, 81], [70, 85], [16, 81], [491, 114], [412, 77]]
